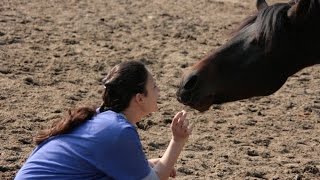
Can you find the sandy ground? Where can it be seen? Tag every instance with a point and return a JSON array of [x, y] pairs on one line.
[[53, 55]]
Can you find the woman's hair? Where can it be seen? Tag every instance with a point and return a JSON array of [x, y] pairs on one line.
[[123, 82]]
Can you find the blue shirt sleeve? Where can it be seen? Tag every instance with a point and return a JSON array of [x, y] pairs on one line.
[[125, 159]]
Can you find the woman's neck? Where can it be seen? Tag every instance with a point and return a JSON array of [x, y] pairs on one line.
[[133, 115]]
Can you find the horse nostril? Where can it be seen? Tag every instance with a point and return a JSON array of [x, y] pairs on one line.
[[191, 82], [184, 98]]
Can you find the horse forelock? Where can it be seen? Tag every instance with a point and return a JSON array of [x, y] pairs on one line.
[[270, 25]]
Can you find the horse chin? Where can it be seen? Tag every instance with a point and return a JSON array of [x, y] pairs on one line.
[[204, 104], [201, 108]]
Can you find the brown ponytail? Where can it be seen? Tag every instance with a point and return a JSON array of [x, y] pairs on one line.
[[74, 118]]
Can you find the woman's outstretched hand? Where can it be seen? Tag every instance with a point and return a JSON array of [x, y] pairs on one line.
[[180, 132], [180, 127]]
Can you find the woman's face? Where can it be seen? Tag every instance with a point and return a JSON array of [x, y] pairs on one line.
[[151, 98]]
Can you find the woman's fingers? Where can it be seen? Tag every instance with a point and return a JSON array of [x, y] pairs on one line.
[[181, 128], [176, 118], [182, 118], [185, 123], [190, 128]]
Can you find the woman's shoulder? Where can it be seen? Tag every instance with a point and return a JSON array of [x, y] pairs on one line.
[[110, 121], [112, 117]]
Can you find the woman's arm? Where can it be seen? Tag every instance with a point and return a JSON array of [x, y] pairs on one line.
[[153, 162], [180, 133]]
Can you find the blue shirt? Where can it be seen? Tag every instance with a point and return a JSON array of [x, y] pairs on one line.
[[105, 147]]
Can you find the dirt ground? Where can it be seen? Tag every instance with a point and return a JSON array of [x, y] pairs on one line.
[[53, 55]]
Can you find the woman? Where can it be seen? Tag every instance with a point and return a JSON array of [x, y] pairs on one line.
[[104, 143]]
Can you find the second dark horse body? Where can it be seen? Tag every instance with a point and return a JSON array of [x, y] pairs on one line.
[[275, 43]]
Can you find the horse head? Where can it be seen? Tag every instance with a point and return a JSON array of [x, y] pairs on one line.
[[270, 46]]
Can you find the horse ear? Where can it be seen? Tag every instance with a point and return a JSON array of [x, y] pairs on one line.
[[261, 4], [300, 10]]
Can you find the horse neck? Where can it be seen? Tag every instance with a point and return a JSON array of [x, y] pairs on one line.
[[296, 63], [305, 49], [309, 34], [294, 58], [308, 50]]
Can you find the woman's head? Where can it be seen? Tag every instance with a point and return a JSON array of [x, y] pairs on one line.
[[123, 82]]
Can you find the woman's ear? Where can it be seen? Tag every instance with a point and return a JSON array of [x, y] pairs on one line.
[[139, 98]]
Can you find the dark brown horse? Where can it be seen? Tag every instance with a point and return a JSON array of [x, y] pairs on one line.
[[275, 43]]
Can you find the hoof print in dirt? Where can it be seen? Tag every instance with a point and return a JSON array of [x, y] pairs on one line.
[[167, 121], [311, 169], [185, 170], [25, 141], [5, 169], [250, 122], [30, 81], [262, 142], [220, 121], [70, 41], [153, 146], [145, 125], [256, 174], [298, 177], [252, 152], [4, 70]]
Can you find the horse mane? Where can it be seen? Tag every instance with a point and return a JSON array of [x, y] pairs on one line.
[[274, 29], [247, 21], [271, 24], [313, 12]]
